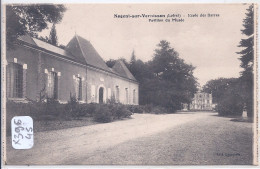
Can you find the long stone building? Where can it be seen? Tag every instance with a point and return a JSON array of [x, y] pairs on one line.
[[36, 68], [201, 101]]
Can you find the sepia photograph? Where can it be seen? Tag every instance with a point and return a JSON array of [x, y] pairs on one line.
[[129, 84]]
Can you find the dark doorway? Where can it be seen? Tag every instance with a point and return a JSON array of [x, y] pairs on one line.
[[101, 94]]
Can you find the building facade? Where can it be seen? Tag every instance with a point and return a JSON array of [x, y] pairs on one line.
[[35, 69], [201, 101]]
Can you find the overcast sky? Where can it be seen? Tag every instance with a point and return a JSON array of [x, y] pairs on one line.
[[208, 43]]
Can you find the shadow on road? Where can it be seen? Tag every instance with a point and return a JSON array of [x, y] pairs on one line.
[[236, 119], [241, 119]]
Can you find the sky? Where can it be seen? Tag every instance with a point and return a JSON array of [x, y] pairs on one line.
[[208, 43]]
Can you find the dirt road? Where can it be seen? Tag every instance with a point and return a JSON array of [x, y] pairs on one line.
[[185, 138]]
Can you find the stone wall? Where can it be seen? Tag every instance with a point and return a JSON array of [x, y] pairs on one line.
[[37, 64], [109, 82]]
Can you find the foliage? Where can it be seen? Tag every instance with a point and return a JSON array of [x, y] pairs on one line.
[[62, 46], [247, 59], [173, 82], [165, 81], [53, 36], [110, 63], [103, 114], [44, 39], [112, 111], [133, 58], [52, 106], [135, 108], [159, 110], [53, 110], [30, 19], [231, 103], [218, 87], [148, 108], [72, 108], [230, 106], [227, 95]]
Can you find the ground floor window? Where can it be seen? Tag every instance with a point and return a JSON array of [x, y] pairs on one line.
[[134, 99], [101, 94], [15, 80], [78, 88], [52, 85]]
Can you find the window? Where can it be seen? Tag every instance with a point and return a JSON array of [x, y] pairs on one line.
[[134, 100], [15, 80], [52, 85], [117, 94], [78, 88], [101, 95]]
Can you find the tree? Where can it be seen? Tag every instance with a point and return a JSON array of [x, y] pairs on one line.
[[133, 58], [218, 87], [30, 19], [53, 36], [247, 60], [133, 65], [226, 94], [173, 82], [110, 63], [165, 81]]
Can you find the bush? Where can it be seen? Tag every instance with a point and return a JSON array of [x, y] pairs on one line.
[[73, 110], [53, 110], [159, 110], [111, 111], [135, 108], [103, 114], [120, 111], [148, 108], [87, 110], [230, 105]]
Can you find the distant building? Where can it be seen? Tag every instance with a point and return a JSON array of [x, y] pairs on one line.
[[36, 68], [184, 107], [201, 101]]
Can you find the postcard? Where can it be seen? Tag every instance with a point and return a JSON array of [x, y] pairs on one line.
[[129, 84]]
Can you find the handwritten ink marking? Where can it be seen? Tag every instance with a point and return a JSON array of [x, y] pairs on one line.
[[22, 132]]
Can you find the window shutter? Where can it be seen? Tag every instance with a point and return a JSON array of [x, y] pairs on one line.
[[46, 77], [24, 82], [11, 71], [109, 93], [93, 93], [75, 82], [126, 95], [8, 83], [58, 87], [55, 83], [83, 89]]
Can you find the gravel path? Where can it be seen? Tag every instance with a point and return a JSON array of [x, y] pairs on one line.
[[187, 138]]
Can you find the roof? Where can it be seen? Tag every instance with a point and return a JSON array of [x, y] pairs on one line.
[[82, 51], [27, 38], [46, 46], [80, 47], [122, 70]]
